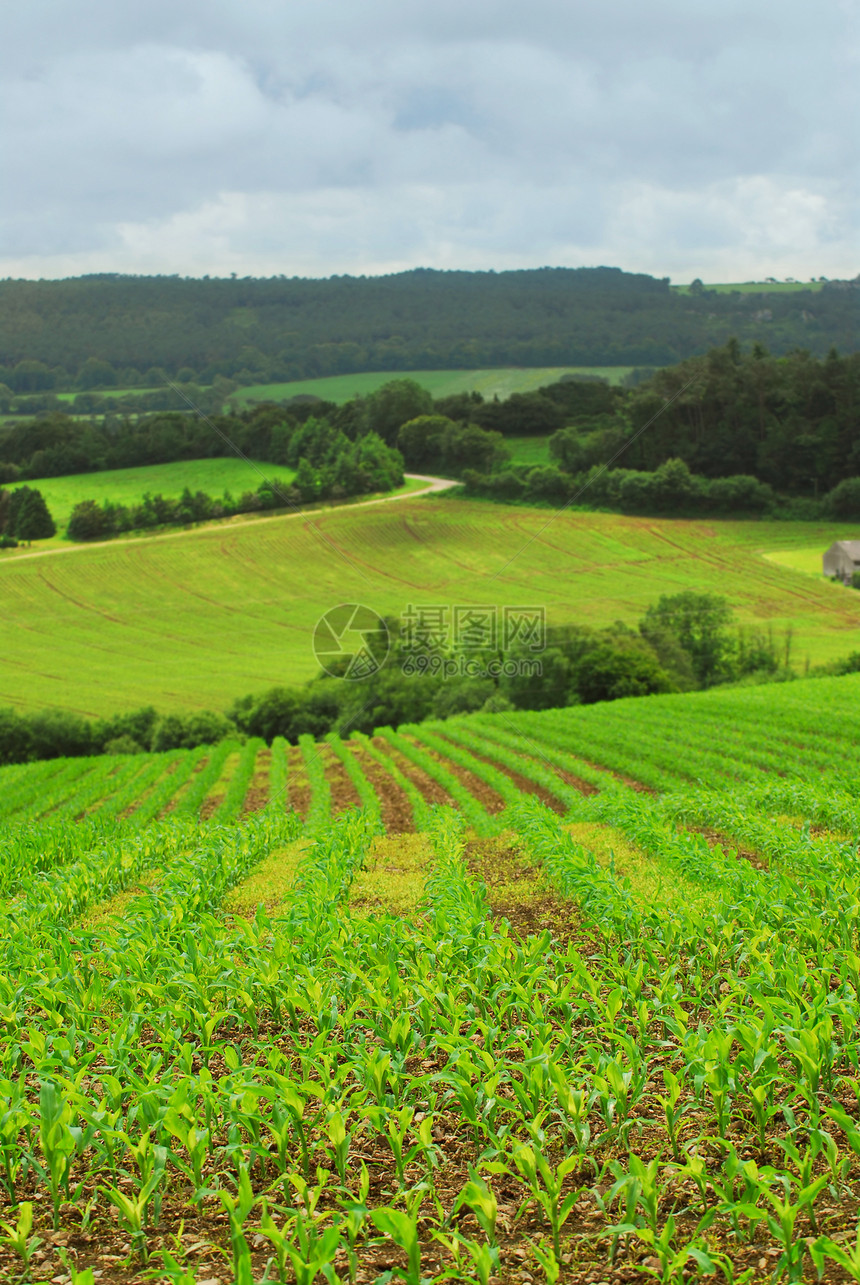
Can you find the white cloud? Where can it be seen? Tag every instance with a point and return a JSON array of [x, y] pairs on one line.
[[682, 138]]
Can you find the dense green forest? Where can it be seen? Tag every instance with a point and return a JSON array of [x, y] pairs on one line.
[[772, 425], [108, 331]]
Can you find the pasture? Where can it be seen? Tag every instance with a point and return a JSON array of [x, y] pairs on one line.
[[499, 382], [195, 618], [129, 485], [529, 450], [561, 996]]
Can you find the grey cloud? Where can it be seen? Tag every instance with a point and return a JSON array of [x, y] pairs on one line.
[[685, 137]]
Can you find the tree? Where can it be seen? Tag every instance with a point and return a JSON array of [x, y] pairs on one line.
[[95, 373], [844, 500], [29, 518], [394, 404], [700, 622], [307, 481], [674, 485], [610, 673], [421, 440], [567, 450], [88, 521]]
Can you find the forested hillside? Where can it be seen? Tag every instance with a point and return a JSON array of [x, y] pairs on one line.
[[107, 330]]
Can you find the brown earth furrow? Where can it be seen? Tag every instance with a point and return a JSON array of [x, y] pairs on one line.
[[394, 806], [257, 795], [485, 794], [171, 803], [299, 787], [343, 793], [521, 782], [431, 790]]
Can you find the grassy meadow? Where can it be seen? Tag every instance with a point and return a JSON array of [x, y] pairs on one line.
[[129, 485], [499, 382], [194, 618], [529, 450]]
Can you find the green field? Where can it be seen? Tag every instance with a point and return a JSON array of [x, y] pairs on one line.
[[562, 996], [806, 560], [529, 450], [129, 485], [193, 619], [111, 392], [441, 383], [757, 287]]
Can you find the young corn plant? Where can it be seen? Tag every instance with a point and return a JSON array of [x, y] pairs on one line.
[[19, 1238], [844, 1255], [57, 1142], [401, 1226], [238, 1208], [545, 1184]]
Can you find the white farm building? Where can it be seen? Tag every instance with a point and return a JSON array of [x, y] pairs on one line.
[[842, 559]]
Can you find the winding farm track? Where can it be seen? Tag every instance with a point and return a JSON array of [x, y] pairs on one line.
[[433, 484]]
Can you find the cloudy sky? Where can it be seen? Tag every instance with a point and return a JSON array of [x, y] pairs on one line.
[[310, 137]]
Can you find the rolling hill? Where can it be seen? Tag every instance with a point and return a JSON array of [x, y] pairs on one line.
[[196, 618]]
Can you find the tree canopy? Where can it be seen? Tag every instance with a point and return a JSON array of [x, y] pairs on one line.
[[111, 331]]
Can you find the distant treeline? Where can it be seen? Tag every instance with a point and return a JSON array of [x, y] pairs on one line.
[[55, 445], [729, 432], [179, 397], [107, 331], [682, 643]]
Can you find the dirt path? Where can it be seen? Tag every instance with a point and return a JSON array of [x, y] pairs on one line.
[[257, 795], [231, 524]]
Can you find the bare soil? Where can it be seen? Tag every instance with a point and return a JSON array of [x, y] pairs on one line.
[[298, 785], [257, 795], [343, 793], [522, 782], [394, 806], [431, 790], [485, 794]]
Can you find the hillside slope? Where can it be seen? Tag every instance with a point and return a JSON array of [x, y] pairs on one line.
[[195, 619]]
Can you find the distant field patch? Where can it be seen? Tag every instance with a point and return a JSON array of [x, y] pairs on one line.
[[129, 485], [529, 450], [756, 287], [111, 392], [441, 383], [807, 560], [195, 618]]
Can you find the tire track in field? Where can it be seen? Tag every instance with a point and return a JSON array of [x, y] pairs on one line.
[[77, 603], [762, 572]]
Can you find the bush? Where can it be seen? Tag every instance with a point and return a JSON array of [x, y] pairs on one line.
[[844, 500], [738, 494], [88, 521], [123, 745], [547, 484], [185, 731], [611, 673]]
